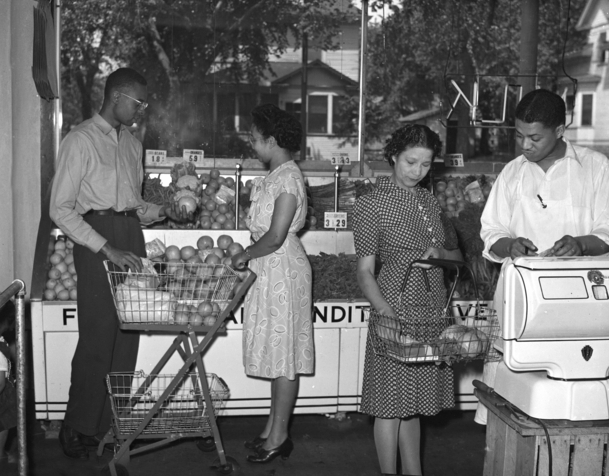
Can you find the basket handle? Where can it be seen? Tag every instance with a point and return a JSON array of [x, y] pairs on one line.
[[445, 263], [436, 262]]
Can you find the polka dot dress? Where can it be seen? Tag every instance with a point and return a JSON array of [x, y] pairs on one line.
[[398, 226]]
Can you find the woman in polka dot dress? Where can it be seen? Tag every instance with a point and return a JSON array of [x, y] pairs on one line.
[[277, 328], [400, 222]]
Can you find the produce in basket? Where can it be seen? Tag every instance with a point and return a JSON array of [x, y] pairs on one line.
[[458, 341], [135, 304]]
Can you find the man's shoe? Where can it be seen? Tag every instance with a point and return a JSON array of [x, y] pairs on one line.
[[90, 440], [71, 443]]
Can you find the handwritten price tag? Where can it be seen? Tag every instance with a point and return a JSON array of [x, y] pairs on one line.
[[155, 157], [335, 220], [340, 158], [453, 160], [193, 155]]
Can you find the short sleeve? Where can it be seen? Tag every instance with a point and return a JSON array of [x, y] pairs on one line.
[[451, 241], [291, 183], [366, 229]]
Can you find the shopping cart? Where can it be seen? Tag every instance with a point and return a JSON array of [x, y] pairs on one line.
[[429, 333], [187, 299]]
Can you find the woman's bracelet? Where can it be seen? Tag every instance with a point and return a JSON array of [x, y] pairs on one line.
[[247, 253]]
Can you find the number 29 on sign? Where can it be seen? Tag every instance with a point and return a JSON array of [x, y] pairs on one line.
[[335, 220]]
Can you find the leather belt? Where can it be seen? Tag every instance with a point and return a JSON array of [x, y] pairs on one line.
[[111, 212]]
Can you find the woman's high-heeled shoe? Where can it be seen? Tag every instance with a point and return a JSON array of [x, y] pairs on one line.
[[266, 456], [255, 443]]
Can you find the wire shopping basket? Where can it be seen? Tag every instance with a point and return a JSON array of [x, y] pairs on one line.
[[133, 396], [429, 333], [172, 293]]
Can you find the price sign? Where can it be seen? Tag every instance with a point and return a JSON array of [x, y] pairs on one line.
[[453, 160], [193, 155], [335, 220], [340, 158], [156, 157]]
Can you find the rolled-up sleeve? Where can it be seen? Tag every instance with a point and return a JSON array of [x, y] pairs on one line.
[[70, 171]]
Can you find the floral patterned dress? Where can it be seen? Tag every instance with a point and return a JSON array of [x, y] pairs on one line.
[[277, 327], [398, 226]]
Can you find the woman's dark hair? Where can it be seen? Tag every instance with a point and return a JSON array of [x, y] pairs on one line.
[[274, 122], [542, 106], [412, 135], [123, 78]]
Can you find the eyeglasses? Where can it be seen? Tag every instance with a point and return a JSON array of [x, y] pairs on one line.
[[141, 104]]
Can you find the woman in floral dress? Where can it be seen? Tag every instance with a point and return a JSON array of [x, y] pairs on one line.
[[277, 329], [400, 222]]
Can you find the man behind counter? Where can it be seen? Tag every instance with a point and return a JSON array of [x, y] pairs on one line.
[[96, 201], [550, 201]]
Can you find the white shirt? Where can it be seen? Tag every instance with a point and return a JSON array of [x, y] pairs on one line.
[[97, 170], [571, 198]]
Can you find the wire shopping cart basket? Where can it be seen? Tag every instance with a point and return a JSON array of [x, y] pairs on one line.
[[188, 299], [430, 333]]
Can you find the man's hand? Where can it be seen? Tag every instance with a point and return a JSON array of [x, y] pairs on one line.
[[521, 247], [567, 246], [122, 259], [175, 213]]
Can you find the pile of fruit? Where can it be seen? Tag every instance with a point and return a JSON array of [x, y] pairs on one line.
[[61, 285], [199, 277], [455, 193]]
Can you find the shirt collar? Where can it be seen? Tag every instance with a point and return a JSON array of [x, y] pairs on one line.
[[569, 154], [103, 125]]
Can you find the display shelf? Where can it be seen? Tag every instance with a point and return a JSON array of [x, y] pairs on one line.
[[253, 167], [340, 341]]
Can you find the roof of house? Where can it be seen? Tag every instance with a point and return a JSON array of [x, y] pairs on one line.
[[280, 72], [589, 15]]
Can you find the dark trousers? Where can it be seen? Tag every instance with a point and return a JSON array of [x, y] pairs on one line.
[[102, 346]]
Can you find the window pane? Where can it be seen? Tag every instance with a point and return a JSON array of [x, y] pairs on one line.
[[586, 110], [318, 114]]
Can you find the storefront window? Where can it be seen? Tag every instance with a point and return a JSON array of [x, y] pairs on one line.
[[209, 63]]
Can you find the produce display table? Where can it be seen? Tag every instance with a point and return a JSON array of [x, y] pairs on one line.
[[518, 446]]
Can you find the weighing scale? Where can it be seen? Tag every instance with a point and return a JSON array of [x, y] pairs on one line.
[[554, 316]]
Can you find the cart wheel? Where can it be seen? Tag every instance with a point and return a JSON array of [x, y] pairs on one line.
[[206, 444], [230, 466]]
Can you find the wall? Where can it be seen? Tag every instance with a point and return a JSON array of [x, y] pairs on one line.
[[19, 144]]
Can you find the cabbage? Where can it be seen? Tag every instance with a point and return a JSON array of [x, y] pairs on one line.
[[188, 181], [461, 341]]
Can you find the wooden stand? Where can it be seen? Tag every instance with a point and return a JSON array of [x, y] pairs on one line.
[[518, 446]]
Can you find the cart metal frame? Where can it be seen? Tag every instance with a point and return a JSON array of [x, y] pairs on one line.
[[190, 349]]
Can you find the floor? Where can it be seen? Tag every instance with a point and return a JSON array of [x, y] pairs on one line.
[[452, 445]]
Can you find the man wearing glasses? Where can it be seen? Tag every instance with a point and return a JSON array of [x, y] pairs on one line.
[[96, 201]]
